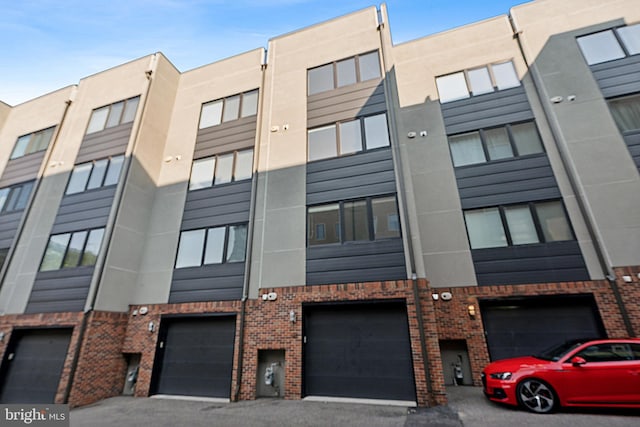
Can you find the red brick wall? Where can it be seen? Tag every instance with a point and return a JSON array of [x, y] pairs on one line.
[[44, 320], [267, 326], [101, 365], [455, 323]]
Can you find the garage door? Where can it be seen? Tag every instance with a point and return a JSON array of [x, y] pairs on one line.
[[527, 326], [32, 365], [195, 357], [358, 350]]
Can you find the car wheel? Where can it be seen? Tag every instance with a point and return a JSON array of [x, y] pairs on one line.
[[536, 396]]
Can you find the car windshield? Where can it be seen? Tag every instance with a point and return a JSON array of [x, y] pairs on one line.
[[556, 352]]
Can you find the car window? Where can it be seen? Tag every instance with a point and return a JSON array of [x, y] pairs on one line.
[[609, 352], [635, 349]]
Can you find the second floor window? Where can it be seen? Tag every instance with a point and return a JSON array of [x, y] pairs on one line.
[[113, 115], [69, 250], [31, 143], [215, 245], [95, 174], [520, 224], [477, 81], [626, 112], [230, 108], [348, 137], [502, 142], [373, 218], [15, 198], [610, 44], [221, 169]]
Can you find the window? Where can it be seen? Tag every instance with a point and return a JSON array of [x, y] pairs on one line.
[[348, 137], [521, 224], [221, 169], [477, 81], [95, 174], [626, 112], [214, 245], [113, 115], [610, 44], [32, 143], [15, 198], [502, 142], [69, 250], [228, 109], [373, 218], [345, 72], [608, 352]]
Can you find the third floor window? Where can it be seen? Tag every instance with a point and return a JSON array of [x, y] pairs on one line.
[[228, 109], [345, 72], [609, 45], [477, 81], [31, 143], [113, 115], [626, 112]]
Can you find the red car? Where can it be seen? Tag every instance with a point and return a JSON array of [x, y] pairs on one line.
[[603, 372]]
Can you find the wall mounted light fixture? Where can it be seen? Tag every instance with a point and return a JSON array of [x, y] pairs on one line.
[[151, 327], [471, 309]]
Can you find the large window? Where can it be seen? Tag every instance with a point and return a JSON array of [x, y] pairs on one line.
[[520, 224], [215, 245], [113, 115], [477, 81], [626, 112], [373, 218], [69, 250], [221, 169], [31, 143], [610, 44], [502, 142], [95, 174], [348, 137], [345, 72], [15, 198], [230, 108]]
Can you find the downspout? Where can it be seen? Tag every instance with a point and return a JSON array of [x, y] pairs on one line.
[[98, 275], [567, 164], [391, 95], [250, 230]]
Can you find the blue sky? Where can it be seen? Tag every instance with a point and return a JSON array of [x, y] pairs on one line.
[[50, 44]]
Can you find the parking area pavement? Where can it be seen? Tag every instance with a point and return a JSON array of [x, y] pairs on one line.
[[467, 408]]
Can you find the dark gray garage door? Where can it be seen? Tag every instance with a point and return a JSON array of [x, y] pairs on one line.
[[358, 350], [32, 365], [527, 326], [195, 356]]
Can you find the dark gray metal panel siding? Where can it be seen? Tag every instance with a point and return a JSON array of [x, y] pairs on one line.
[[346, 103], [226, 137], [218, 205], [8, 227], [60, 290], [356, 262], [360, 175], [207, 283], [108, 142], [633, 142], [619, 77], [89, 209], [517, 180], [22, 169], [549, 262], [491, 109]]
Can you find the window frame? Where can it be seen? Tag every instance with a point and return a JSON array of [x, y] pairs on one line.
[[223, 100], [122, 116], [483, 141], [225, 249], [342, 223], [618, 39], [89, 176], [334, 66], [536, 222], [81, 255], [234, 164], [30, 143], [467, 80], [15, 195], [615, 99], [363, 136]]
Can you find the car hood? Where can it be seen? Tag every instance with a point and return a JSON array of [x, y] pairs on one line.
[[516, 363]]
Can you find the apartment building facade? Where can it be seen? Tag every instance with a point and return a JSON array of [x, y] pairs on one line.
[[334, 216]]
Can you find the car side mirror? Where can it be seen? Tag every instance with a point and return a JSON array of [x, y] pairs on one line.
[[578, 361]]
